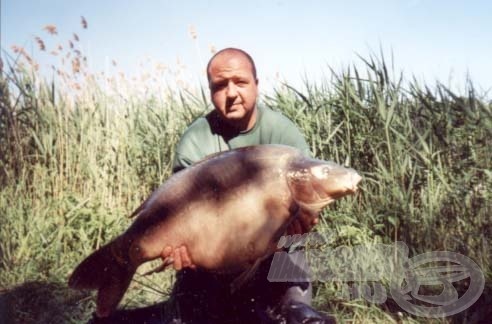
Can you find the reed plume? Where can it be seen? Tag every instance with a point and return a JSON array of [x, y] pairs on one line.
[[51, 29], [40, 42], [83, 22]]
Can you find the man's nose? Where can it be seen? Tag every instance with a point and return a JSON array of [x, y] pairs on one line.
[[231, 90]]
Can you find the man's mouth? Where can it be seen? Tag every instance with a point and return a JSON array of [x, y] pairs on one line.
[[234, 107]]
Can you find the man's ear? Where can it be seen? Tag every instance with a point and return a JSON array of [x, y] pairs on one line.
[[256, 81]]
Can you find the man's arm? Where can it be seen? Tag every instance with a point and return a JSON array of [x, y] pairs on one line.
[[287, 133], [187, 152], [304, 223]]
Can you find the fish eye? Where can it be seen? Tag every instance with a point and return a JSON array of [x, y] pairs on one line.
[[326, 170], [321, 171]]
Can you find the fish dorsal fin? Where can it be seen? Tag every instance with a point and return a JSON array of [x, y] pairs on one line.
[[140, 208], [143, 205]]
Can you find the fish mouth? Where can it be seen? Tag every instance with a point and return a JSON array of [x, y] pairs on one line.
[[355, 178], [353, 189]]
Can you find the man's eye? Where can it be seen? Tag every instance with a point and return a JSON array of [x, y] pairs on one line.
[[218, 86]]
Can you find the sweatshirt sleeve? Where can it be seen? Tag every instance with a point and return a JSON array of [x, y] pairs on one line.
[[290, 134], [188, 150]]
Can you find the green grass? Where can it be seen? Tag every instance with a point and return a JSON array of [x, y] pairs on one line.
[[75, 163]]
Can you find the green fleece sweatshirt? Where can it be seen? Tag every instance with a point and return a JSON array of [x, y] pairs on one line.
[[209, 134]]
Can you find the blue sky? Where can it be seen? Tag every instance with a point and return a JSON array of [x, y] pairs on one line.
[[432, 39]]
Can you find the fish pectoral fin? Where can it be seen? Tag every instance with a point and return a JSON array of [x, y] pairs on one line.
[[167, 262], [245, 276]]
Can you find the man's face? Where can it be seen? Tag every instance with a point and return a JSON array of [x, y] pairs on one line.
[[234, 89]]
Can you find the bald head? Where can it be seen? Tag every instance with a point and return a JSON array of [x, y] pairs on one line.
[[231, 52]]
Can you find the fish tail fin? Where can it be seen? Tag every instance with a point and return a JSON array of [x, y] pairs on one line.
[[105, 271]]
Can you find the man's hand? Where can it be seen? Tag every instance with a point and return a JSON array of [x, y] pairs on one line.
[[304, 222], [180, 257]]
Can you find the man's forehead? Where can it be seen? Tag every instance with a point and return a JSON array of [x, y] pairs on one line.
[[218, 75], [228, 61]]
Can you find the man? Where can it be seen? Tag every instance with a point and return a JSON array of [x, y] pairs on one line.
[[236, 121]]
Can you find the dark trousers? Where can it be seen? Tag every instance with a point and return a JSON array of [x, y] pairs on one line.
[[202, 297]]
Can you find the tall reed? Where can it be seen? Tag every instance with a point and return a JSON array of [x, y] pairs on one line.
[[79, 154]]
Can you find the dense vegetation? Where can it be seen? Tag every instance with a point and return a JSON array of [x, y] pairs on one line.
[[77, 156]]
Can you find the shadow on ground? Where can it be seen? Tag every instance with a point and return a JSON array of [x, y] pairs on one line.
[[51, 302], [44, 302], [149, 315]]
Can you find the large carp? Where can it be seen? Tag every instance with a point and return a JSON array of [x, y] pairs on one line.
[[228, 210]]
